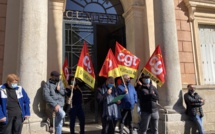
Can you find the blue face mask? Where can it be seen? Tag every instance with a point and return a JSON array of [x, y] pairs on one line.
[[110, 85], [128, 81], [147, 81], [14, 85]]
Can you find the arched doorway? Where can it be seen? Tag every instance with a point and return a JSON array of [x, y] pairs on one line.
[[100, 24]]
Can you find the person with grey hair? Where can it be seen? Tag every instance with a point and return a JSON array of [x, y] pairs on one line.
[[127, 103]]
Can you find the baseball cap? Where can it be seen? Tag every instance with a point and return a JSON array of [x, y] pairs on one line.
[[55, 73]]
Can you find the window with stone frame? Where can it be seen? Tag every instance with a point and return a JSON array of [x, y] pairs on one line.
[[207, 49], [202, 22]]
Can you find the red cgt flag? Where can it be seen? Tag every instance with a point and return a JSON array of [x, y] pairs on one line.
[[128, 63], [155, 67], [110, 67], [84, 69], [65, 72]]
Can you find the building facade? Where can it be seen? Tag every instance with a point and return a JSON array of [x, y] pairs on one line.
[[36, 36]]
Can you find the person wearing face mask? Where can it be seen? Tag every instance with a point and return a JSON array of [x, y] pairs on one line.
[[109, 111], [127, 103], [14, 106], [194, 107], [148, 97], [54, 94]]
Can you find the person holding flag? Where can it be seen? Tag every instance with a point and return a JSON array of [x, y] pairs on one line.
[[76, 109], [110, 111], [127, 103], [148, 97]]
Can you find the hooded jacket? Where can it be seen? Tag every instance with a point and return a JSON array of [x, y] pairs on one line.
[[52, 96]]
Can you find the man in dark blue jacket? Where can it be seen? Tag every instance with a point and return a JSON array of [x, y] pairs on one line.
[[127, 103], [14, 106]]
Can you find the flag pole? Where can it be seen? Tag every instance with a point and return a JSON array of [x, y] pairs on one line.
[[71, 95], [138, 78]]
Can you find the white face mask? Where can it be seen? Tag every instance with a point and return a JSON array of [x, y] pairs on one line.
[[147, 81], [14, 85]]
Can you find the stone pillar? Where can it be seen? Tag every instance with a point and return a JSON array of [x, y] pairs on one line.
[[134, 30], [171, 91], [33, 56], [166, 36], [55, 29], [11, 38], [134, 35]]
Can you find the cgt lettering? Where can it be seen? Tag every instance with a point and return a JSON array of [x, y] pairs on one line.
[[87, 64], [127, 60]]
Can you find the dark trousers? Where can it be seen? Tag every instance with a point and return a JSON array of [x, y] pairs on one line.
[[13, 126], [108, 126], [126, 120], [77, 111]]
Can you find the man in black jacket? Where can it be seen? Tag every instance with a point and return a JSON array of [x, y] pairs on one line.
[[148, 97], [194, 107]]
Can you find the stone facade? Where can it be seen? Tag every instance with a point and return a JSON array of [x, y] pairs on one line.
[[3, 10], [180, 48]]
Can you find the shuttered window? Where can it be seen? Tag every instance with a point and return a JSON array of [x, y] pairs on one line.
[[207, 49]]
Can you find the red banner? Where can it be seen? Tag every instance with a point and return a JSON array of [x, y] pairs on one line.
[[65, 72], [110, 67], [85, 70], [155, 67], [128, 63]]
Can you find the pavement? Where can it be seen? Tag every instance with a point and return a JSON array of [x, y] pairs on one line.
[[92, 129]]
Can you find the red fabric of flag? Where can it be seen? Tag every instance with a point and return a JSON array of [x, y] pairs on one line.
[[110, 67], [128, 63], [65, 72], [85, 70], [155, 67]]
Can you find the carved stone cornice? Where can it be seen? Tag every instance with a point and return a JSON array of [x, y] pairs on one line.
[[194, 5], [57, 6]]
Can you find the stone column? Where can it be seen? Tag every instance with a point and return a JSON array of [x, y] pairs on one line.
[[33, 56], [166, 36], [171, 91], [135, 30], [55, 29], [11, 38]]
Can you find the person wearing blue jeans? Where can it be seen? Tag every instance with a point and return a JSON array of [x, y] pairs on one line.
[[54, 94], [194, 107], [59, 120]]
